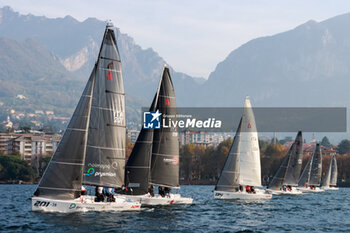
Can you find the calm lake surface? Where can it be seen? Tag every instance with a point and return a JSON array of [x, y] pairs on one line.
[[318, 212]]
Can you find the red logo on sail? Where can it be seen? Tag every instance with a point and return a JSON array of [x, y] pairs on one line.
[[167, 102], [109, 75], [249, 126]]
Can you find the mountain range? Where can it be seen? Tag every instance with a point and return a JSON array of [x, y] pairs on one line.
[[49, 60]]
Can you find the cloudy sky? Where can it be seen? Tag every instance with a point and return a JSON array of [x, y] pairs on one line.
[[193, 36]]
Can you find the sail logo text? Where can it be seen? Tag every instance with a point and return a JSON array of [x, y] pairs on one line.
[[192, 123]]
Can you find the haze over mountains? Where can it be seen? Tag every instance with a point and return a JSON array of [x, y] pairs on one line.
[[50, 59], [306, 66]]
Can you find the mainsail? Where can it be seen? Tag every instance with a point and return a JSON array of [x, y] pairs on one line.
[[105, 153], [139, 163], [334, 173], [250, 168], [229, 178], [316, 167], [165, 148], [289, 171], [63, 177], [242, 166]]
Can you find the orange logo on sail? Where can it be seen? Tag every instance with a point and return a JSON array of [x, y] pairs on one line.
[[167, 102], [249, 126]]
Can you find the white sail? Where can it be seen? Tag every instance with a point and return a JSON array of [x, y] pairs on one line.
[[327, 179], [334, 174], [250, 168]]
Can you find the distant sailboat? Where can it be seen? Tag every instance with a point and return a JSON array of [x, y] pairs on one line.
[[310, 179], [154, 160], [95, 137], [242, 169], [288, 173], [330, 180]]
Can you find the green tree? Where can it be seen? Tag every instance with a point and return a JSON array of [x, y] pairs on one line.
[[344, 146], [13, 168], [325, 142]]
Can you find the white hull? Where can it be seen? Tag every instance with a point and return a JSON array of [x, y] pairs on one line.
[[308, 190], [242, 195], [171, 199], [280, 192], [82, 204], [330, 188]]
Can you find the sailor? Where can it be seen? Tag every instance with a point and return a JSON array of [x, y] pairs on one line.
[[161, 191], [151, 190], [167, 191], [99, 194], [109, 194], [252, 189], [284, 188], [247, 189], [241, 188], [83, 191]]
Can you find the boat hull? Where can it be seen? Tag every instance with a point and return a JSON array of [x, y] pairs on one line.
[[82, 204], [172, 199], [308, 190], [280, 192], [242, 195], [330, 188]]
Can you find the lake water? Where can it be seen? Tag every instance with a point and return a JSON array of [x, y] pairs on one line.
[[317, 212]]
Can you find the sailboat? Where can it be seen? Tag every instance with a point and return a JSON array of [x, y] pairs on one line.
[[330, 180], [154, 160], [94, 142], [288, 173], [310, 179], [242, 168]]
